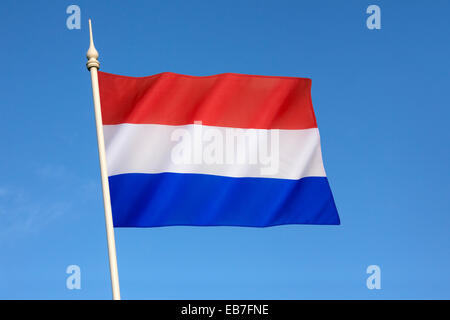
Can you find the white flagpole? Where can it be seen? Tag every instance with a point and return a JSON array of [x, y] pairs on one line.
[[93, 65]]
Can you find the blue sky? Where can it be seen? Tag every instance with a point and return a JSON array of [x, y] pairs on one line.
[[382, 102]]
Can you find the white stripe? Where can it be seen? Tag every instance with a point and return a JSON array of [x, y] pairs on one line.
[[147, 148]]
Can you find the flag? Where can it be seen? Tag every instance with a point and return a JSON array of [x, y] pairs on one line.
[[221, 150]]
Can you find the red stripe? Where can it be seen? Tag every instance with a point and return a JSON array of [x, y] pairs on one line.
[[224, 100]]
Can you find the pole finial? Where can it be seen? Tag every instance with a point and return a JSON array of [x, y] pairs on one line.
[[92, 53]]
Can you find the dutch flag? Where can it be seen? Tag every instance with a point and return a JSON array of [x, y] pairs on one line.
[[221, 150]]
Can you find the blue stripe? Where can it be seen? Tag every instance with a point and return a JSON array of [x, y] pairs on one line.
[[167, 199]]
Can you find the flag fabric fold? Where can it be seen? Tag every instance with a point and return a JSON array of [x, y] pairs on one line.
[[221, 150]]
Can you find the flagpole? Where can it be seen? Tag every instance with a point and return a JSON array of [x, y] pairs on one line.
[[93, 65]]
